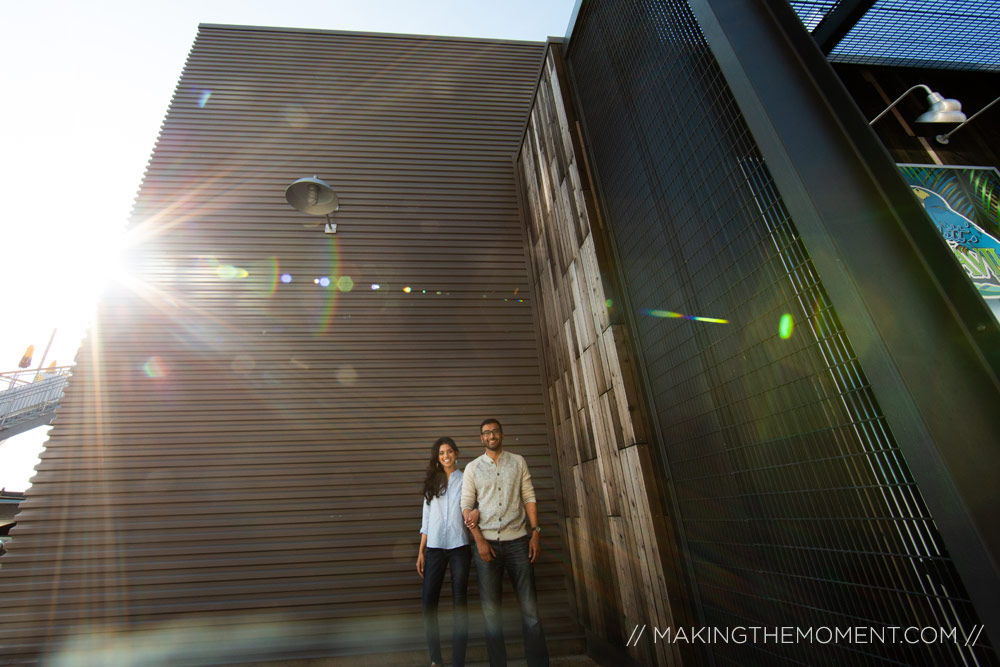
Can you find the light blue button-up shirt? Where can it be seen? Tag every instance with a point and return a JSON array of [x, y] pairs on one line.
[[442, 522]]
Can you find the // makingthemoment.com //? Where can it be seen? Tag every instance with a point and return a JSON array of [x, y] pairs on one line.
[[751, 634]]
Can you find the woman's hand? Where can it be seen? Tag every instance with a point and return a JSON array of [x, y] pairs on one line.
[[420, 563], [485, 550], [472, 519]]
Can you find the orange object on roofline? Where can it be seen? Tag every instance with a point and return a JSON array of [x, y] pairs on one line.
[[26, 359]]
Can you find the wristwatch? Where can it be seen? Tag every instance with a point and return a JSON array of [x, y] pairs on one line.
[[537, 529]]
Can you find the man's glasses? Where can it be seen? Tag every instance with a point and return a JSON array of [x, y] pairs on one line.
[[495, 431]]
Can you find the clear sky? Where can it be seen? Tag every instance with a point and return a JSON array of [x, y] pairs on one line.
[[86, 86]]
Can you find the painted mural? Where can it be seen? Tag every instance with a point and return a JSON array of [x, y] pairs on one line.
[[964, 203]]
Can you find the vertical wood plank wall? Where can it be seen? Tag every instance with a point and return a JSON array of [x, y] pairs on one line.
[[616, 531], [235, 471]]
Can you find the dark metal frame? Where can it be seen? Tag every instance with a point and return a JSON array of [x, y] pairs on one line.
[[835, 25], [931, 347]]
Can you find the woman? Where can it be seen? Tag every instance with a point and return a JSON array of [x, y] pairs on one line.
[[444, 541]]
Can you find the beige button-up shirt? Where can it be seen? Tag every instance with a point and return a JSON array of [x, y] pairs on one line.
[[502, 489]]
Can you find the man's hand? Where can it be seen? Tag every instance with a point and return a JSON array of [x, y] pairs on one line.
[[535, 544], [420, 564], [471, 519], [485, 550]]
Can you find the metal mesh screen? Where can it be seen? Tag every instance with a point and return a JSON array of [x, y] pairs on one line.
[[794, 501], [946, 34]]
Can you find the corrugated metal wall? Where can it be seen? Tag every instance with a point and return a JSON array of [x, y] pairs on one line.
[[237, 451]]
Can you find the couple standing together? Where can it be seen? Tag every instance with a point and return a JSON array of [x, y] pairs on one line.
[[489, 501]]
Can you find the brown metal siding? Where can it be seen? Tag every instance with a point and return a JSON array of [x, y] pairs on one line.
[[240, 452]]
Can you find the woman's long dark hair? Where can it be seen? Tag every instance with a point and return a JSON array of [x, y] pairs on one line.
[[435, 481]]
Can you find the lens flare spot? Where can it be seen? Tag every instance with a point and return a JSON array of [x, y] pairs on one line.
[[347, 375], [296, 116], [322, 281], [608, 303], [345, 284], [407, 289], [785, 326], [230, 272], [203, 100], [286, 278], [268, 275], [327, 314], [376, 286], [154, 367], [670, 314]]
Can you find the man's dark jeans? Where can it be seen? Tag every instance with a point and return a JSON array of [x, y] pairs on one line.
[[511, 556], [435, 562]]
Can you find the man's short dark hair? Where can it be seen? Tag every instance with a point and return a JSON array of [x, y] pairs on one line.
[[491, 421]]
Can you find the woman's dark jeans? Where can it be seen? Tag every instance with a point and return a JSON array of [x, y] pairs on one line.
[[435, 562]]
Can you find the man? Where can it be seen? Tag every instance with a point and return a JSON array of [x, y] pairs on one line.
[[501, 485]]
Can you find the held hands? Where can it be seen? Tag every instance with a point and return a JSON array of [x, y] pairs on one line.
[[482, 546], [485, 550]]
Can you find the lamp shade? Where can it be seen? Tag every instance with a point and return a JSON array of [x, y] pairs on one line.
[[942, 110], [312, 196]]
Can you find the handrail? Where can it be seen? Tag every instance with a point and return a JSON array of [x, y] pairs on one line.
[[28, 402], [17, 377]]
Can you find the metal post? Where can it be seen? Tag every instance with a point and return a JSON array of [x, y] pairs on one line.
[[41, 364]]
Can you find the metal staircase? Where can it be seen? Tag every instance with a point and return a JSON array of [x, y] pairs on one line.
[[30, 398]]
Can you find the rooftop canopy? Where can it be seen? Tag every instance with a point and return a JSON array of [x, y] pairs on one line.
[[939, 34]]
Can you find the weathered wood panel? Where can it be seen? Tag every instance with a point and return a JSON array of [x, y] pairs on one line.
[[600, 430]]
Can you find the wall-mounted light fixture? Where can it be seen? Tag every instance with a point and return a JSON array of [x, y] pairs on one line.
[[942, 109], [314, 197], [944, 138]]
